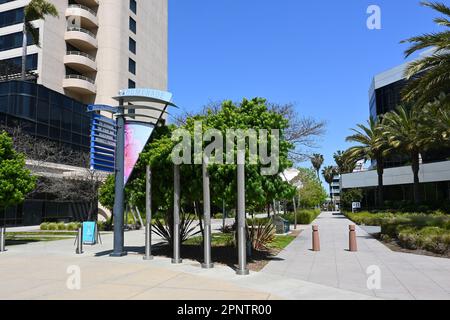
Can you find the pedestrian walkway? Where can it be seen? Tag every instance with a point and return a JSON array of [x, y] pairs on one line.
[[403, 275], [40, 271]]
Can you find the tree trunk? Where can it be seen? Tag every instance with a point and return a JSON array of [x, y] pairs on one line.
[[24, 53], [416, 167], [380, 172]]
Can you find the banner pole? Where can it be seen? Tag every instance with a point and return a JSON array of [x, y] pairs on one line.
[[119, 186]]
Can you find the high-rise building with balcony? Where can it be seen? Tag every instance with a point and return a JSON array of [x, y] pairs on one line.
[[94, 48], [87, 55]]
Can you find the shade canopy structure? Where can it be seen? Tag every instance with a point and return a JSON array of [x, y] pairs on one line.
[[145, 95], [134, 129]]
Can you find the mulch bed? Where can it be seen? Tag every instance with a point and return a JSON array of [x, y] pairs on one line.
[[226, 255]]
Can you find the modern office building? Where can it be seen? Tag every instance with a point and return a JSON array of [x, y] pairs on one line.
[[336, 190], [87, 55], [385, 96]]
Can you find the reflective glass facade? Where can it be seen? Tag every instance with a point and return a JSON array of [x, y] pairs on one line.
[[45, 113]]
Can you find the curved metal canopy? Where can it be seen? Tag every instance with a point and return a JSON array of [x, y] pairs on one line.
[[145, 95]]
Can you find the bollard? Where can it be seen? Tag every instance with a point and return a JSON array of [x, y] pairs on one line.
[[80, 241], [2, 239], [315, 239], [352, 239]]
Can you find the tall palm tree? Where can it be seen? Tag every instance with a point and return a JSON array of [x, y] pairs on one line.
[[35, 10], [406, 131], [372, 146], [317, 162], [429, 76], [344, 163], [328, 174]]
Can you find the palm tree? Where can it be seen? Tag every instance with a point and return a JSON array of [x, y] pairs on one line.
[[406, 131], [35, 10], [344, 163], [328, 174], [429, 76], [372, 146], [317, 162]]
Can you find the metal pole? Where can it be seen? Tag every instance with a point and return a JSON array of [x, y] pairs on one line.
[[119, 186], [207, 264], [80, 241], [242, 241], [176, 215], [148, 215], [224, 214], [295, 214], [2, 239]]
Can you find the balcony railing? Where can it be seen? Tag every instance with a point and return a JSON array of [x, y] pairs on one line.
[[76, 76], [79, 53], [80, 6], [81, 30]]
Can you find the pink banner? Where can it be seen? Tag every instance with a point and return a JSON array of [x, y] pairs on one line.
[[136, 137]]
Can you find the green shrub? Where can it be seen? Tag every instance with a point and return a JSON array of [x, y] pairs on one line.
[[428, 231], [44, 226], [52, 226], [73, 226], [304, 216], [61, 226]]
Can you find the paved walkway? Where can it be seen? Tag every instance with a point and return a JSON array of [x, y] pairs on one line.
[[403, 275], [39, 271]]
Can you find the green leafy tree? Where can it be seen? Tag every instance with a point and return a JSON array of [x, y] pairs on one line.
[[312, 194], [106, 193], [317, 162], [260, 190], [406, 131], [349, 196], [15, 180], [35, 10], [329, 173], [373, 145], [429, 76]]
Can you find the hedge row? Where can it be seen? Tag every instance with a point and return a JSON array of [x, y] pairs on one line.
[[413, 231], [60, 226]]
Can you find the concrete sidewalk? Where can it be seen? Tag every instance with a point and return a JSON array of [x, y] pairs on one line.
[[403, 276], [40, 271]]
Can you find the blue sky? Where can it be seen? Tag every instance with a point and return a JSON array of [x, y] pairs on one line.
[[318, 55]]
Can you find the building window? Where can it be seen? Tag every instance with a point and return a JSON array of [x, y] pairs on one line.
[[11, 17], [133, 25], [132, 66], [132, 45], [133, 6], [131, 84], [14, 65], [13, 41]]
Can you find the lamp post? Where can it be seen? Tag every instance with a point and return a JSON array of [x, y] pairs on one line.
[[148, 214], [176, 215], [119, 198], [207, 264], [242, 241]]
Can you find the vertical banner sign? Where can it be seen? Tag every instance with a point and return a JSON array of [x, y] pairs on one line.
[[89, 232], [103, 143], [137, 135]]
